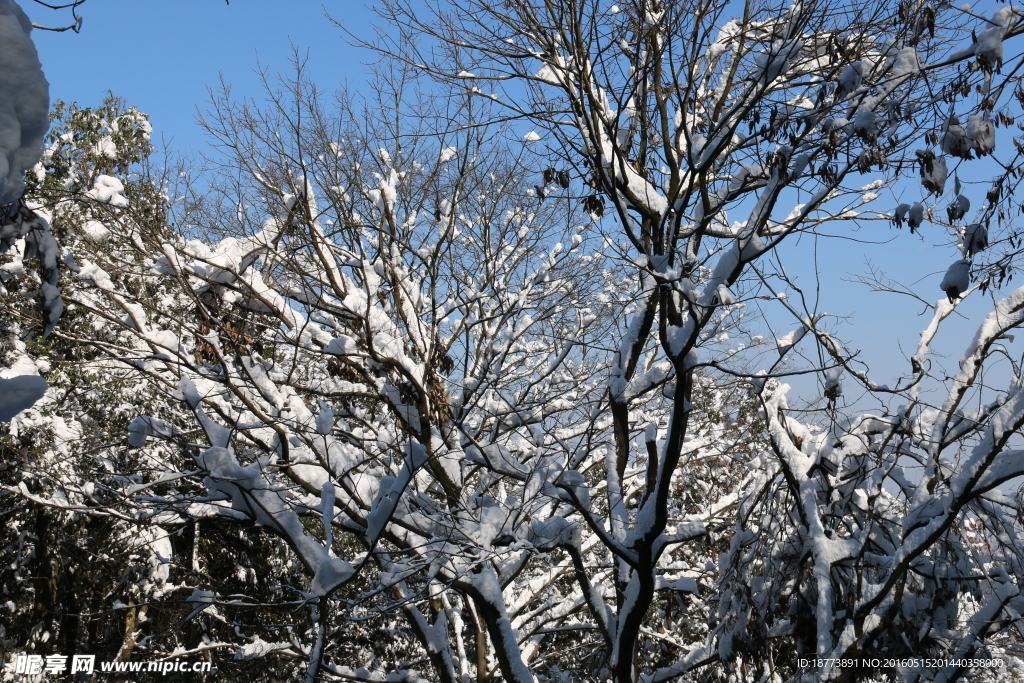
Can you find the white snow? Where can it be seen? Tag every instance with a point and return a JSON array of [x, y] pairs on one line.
[[725, 297], [447, 154], [901, 214], [791, 339], [108, 190], [775, 61], [96, 231], [260, 648], [19, 393], [24, 101], [832, 379], [865, 124], [982, 134], [90, 272], [978, 136], [342, 346], [957, 279], [850, 79], [907, 63], [975, 239], [916, 216], [145, 426], [954, 139], [162, 554], [989, 48], [959, 208], [390, 491], [105, 147], [934, 174]]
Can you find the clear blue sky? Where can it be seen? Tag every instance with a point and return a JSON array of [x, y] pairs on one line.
[[162, 55]]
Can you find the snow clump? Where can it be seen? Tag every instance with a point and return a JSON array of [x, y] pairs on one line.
[[24, 101], [108, 190], [19, 393], [957, 280]]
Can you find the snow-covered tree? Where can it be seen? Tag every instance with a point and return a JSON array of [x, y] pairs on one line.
[[712, 143], [75, 582], [424, 352]]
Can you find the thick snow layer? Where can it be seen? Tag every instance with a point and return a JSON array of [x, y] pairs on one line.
[[989, 47], [24, 101], [865, 124], [901, 214], [108, 190], [259, 648], [96, 231], [776, 61], [959, 208], [934, 174], [955, 140], [342, 346], [978, 136], [552, 533], [390, 491], [975, 239], [791, 339], [906, 63], [916, 216], [850, 79], [982, 134], [447, 154], [19, 393], [725, 297], [145, 426], [957, 279], [832, 380]]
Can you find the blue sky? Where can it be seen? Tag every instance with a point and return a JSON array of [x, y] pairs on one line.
[[163, 55]]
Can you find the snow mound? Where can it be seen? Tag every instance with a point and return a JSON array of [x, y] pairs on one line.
[[24, 101], [957, 280], [19, 393], [108, 190]]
